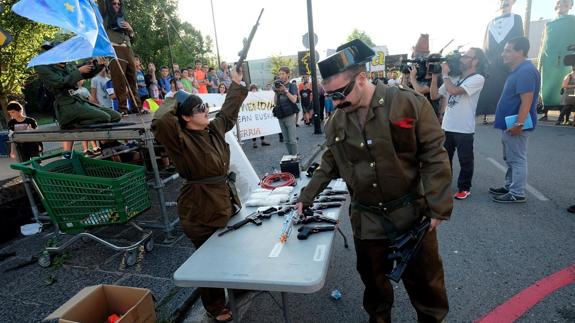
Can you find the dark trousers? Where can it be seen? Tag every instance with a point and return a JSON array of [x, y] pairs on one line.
[[463, 143], [565, 113], [423, 280], [214, 299], [128, 68]]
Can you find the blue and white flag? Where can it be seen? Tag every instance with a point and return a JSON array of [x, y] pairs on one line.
[[80, 17]]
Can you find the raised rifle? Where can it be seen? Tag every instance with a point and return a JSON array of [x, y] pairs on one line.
[[247, 43], [255, 218], [405, 247], [306, 231]]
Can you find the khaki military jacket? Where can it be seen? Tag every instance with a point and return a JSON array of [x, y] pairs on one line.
[[198, 155], [60, 81], [400, 151]]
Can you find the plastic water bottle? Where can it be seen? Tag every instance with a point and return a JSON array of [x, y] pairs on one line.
[[336, 294]]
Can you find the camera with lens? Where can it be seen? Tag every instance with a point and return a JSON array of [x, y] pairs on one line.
[[278, 84], [452, 60], [419, 63], [432, 65]]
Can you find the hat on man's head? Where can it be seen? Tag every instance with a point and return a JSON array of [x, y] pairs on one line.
[[181, 96], [348, 55]]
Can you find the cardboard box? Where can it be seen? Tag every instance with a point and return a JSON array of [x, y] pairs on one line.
[[95, 303]]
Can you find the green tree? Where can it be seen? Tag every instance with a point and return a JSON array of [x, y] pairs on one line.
[[277, 61], [28, 37], [361, 35], [158, 30]]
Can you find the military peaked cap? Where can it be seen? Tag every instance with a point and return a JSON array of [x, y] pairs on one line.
[[350, 54]]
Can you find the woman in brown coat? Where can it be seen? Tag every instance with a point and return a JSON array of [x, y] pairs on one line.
[[201, 156]]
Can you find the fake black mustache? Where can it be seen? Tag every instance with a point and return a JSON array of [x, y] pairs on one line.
[[343, 105]]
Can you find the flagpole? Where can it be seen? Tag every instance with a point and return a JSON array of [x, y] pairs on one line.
[[215, 32], [527, 22], [169, 42]]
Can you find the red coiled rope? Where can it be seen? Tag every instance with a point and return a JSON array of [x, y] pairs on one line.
[[284, 179]]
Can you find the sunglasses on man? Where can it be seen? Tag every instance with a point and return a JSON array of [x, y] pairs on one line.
[[343, 92]]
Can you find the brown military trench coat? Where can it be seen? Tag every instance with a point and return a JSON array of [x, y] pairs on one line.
[[198, 155], [400, 151]]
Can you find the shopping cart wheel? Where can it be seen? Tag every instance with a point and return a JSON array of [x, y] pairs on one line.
[[131, 257], [44, 260], [149, 245]]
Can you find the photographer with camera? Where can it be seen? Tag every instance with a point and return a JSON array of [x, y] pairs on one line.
[[120, 33], [420, 78], [286, 109], [459, 96]]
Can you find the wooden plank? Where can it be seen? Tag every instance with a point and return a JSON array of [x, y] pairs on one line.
[[54, 133]]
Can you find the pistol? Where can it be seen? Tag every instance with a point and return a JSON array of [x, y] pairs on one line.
[[306, 231]]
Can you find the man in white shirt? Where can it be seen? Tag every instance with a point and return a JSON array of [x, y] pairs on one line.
[[459, 103], [99, 95]]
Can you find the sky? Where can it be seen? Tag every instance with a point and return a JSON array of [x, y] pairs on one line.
[[396, 24]]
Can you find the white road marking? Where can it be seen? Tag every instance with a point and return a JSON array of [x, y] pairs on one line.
[[528, 187]]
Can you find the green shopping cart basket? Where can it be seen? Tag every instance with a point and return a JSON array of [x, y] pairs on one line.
[[81, 193]]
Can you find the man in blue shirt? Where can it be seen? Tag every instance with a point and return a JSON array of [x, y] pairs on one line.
[[519, 97], [141, 80], [164, 81]]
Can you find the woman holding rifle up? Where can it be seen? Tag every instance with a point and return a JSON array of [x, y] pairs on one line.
[[201, 156]]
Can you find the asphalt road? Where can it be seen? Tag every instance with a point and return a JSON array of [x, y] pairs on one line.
[[491, 252]]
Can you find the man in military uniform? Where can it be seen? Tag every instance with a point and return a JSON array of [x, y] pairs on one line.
[[198, 148], [387, 144], [71, 110]]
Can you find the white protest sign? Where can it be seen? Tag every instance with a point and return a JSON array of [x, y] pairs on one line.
[[378, 61], [255, 118]]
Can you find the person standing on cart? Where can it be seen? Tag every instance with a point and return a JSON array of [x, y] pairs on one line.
[[201, 156], [387, 144]]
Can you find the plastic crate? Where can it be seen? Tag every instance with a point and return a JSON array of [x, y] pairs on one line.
[[81, 193]]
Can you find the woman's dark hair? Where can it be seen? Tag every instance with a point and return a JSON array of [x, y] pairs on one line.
[[482, 62], [187, 108], [113, 15]]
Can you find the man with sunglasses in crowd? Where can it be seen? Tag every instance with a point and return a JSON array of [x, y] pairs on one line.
[[387, 144], [124, 69]]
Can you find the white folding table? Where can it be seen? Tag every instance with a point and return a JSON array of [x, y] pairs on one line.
[[252, 257]]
